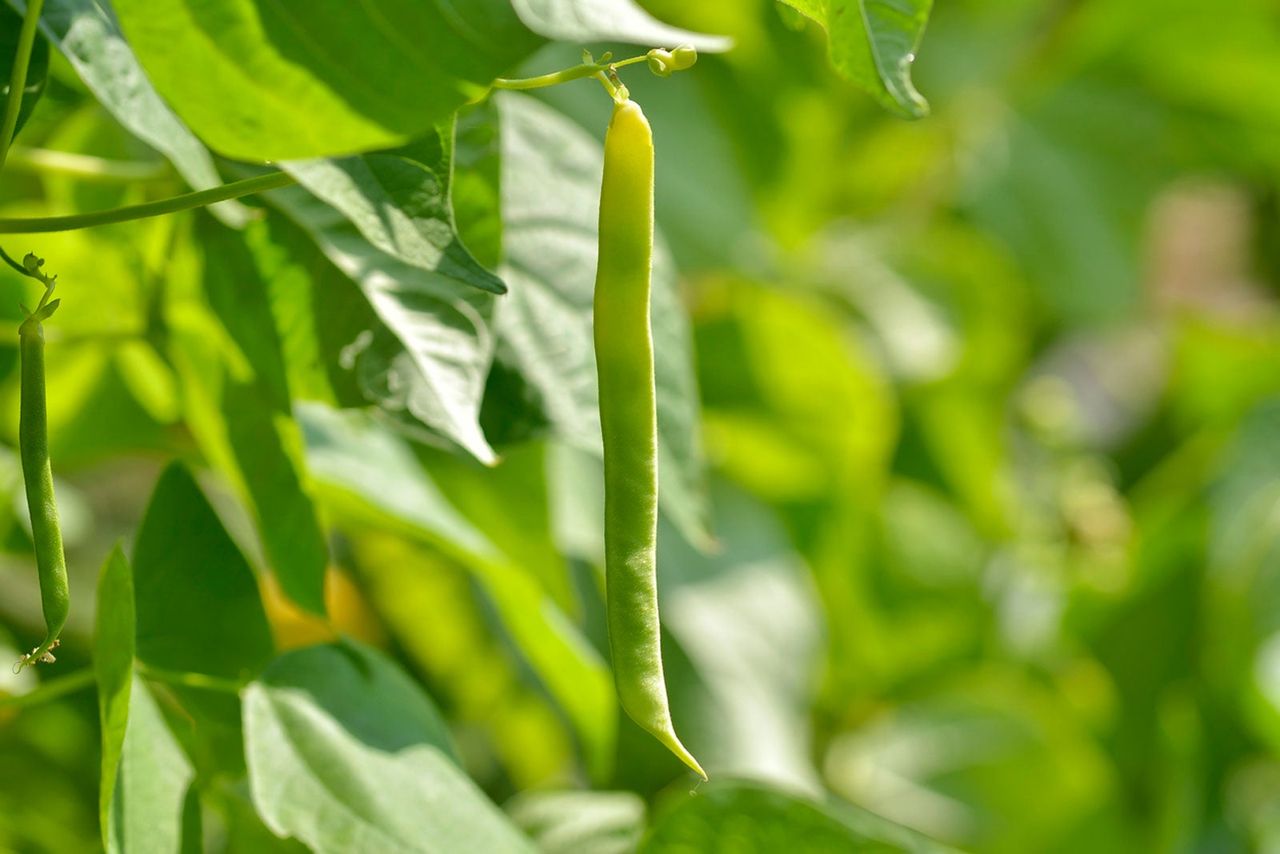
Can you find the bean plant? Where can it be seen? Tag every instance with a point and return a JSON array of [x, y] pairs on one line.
[[638, 426]]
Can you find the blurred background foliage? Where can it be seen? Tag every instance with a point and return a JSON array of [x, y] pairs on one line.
[[990, 404]]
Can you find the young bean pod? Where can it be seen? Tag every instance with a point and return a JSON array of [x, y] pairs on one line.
[[37, 474], [628, 420]]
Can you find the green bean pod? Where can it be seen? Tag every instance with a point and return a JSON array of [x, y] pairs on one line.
[[628, 421], [33, 447]]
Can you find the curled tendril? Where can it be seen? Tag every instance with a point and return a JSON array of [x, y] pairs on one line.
[[47, 657]]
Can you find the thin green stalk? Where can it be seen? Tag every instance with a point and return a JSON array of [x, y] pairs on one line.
[[49, 691], [18, 78], [555, 78], [85, 167], [201, 681], [202, 198]]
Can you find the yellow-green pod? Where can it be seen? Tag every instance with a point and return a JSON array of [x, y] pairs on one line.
[[628, 420], [37, 475]]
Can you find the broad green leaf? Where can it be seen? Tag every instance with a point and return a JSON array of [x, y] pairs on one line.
[[197, 600], [749, 818], [347, 754], [37, 65], [285, 80], [113, 648], [608, 20], [88, 34], [253, 393], [369, 474], [550, 191], [873, 43], [578, 822], [401, 206], [429, 359], [149, 811]]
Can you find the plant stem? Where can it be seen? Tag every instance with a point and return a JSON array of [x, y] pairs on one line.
[[18, 79], [199, 199], [555, 78], [52, 690], [201, 681], [85, 166]]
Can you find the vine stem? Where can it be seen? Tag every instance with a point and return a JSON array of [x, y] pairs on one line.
[[201, 681], [198, 199], [18, 77], [85, 167], [555, 78], [52, 690]]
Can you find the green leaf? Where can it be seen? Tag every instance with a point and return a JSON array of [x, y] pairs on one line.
[[197, 600], [429, 361], [873, 43], [577, 822], [113, 648], [255, 404], [608, 20], [748, 818], [88, 34], [149, 811], [550, 190], [277, 81], [401, 206], [37, 65], [346, 753], [369, 474]]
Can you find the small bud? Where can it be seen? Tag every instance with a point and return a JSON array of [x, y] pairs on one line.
[[660, 62], [32, 263], [683, 57]]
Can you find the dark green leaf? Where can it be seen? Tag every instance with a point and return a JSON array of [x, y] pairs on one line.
[[197, 600], [256, 408], [113, 647], [873, 43], [429, 359], [277, 81], [347, 754], [88, 34]]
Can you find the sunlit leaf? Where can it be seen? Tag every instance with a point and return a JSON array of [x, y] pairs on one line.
[[346, 753], [276, 81], [873, 43]]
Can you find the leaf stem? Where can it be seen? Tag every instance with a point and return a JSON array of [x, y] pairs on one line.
[[202, 681], [51, 690], [18, 77], [199, 199], [555, 78], [85, 166]]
